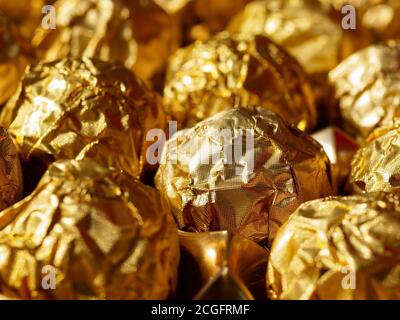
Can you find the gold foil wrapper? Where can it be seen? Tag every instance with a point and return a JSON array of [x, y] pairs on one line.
[[15, 55], [243, 170], [11, 182], [231, 70], [338, 248], [104, 235], [376, 166], [367, 86], [83, 109], [139, 34], [304, 30], [215, 265]]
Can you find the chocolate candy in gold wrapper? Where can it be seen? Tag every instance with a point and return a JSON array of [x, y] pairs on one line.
[[137, 33], [83, 108], [338, 248], [231, 70], [11, 182], [15, 55], [216, 263], [243, 170], [376, 166], [106, 236], [367, 87], [340, 149]]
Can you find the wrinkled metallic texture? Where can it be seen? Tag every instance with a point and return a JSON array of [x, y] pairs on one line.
[[367, 87], [11, 183], [338, 248], [83, 109], [138, 33], [377, 17], [305, 30], [15, 55], [340, 149], [218, 176], [233, 70], [106, 235], [216, 265], [376, 166]]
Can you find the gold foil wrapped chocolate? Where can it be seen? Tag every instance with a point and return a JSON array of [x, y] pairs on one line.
[[338, 248], [100, 233], [15, 55], [137, 33], [305, 30], [367, 86], [242, 170], [83, 108], [215, 265], [376, 166], [11, 182], [230, 70]]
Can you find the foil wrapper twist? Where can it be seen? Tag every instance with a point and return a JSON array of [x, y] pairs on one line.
[[83, 108], [231, 70], [243, 170], [367, 86], [139, 34], [98, 232], [338, 248]]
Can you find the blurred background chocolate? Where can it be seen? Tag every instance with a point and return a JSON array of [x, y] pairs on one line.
[[216, 265], [103, 235], [83, 108], [231, 70], [243, 170], [139, 34], [367, 86], [15, 55], [338, 248]]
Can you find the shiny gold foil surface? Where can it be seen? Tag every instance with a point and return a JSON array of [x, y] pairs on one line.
[[139, 34], [231, 70], [103, 235], [11, 182], [215, 265], [367, 87], [338, 248], [376, 166], [83, 108], [15, 55], [242, 170], [305, 30]]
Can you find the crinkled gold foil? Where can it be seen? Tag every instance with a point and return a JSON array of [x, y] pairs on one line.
[[367, 86], [376, 166], [231, 70], [219, 175], [138, 33], [83, 108], [216, 265], [11, 182], [338, 248], [105, 236], [15, 55], [303, 29]]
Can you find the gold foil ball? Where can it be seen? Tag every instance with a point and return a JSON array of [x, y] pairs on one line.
[[376, 166], [83, 108], [15, 55], [304, 30], [99, 233], [139, 34], [338, 248], [367, 87], [243, 170], [231, 70]]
